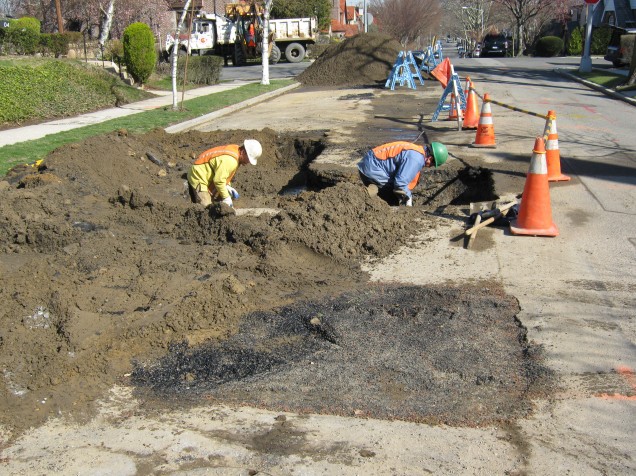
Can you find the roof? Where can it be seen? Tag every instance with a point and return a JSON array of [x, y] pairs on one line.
[[348, 30]]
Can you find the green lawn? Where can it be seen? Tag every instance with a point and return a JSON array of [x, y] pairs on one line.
[[602, 78], [31, 151]]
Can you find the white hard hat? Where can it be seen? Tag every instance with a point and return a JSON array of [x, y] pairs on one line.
[[253, 149]]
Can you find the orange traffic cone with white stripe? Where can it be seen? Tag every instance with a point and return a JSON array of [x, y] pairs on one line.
[[471, 118], [452, 112], [485, 129], [553, 157], [535, 213]]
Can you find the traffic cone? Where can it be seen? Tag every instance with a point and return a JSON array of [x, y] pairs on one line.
[[553, 156], [486, 129], [535, 214], [452, 112], [442, 72], [471, 118]]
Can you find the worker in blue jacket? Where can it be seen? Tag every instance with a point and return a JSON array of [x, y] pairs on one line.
[[396, 166]]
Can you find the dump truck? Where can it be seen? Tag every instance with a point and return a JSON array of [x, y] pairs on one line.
[[239, 33]]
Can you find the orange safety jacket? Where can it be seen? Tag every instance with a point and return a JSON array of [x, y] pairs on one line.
[[392, 149], [207, 159]]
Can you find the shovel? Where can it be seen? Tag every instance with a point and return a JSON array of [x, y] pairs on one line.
[[486, 217]]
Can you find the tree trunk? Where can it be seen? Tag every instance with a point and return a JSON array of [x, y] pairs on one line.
[[174, 55], [265, 55], [60, 20], [108, 21], [631, 80]]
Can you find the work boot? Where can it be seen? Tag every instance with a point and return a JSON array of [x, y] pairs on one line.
[[372, 190]]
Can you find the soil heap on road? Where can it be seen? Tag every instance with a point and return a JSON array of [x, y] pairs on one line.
[[365, 59]]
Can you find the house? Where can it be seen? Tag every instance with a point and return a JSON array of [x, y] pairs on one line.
[[345, 20], [608, 12]]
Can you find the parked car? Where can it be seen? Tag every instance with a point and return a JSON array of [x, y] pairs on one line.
[[494, 45], [620, 46]]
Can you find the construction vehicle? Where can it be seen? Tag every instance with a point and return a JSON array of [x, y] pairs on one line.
[[239, 35]]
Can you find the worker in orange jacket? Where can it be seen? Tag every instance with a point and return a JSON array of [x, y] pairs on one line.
[[395, 167], [210, 177]]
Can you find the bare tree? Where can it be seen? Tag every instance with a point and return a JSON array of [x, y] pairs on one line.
[[265, 56], [407, 20], [469, 18], [8, 7], [524, 12], [175, 54], [108, 21]]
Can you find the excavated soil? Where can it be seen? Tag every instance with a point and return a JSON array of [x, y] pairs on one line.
[[107, 269], [111, 276], [365, 59]]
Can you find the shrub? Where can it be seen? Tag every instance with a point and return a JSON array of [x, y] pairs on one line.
[[201, 69], [600, 40], [24, 35], [139, 51], [575, 42], [55, 44], [114, 51], [549, 46]]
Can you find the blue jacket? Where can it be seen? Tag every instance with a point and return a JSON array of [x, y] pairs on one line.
[[397, 164]]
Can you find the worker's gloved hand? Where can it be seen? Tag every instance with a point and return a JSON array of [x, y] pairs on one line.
[[232, 191], [228, 201], [409, 202]]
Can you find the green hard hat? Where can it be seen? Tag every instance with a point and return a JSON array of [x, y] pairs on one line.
[[440, 153]]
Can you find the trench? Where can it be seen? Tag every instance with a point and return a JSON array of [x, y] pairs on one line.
[[440, 354]]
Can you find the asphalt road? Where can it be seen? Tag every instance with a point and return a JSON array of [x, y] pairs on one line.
[[254, 72]]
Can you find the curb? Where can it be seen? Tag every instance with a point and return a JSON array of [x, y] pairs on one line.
[[197, 121], [598, 87]]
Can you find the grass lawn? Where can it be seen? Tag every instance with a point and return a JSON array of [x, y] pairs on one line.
[[602, 78], [31, 151]]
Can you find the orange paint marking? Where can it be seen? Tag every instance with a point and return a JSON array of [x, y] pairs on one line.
[[629, 375], [616, 396]]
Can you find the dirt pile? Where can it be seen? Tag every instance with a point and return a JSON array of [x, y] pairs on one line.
[[107, 268], [365, 59], [104, 259]]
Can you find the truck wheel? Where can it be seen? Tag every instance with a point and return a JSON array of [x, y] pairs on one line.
[[239, 58], [295, 53], [274, 56]]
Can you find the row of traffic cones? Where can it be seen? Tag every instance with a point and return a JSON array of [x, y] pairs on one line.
[[535, 213]]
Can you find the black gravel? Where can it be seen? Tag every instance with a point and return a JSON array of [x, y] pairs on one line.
[[448, 355]]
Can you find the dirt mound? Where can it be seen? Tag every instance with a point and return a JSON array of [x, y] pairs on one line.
[[365, 59], [105, 262], [104, 259]]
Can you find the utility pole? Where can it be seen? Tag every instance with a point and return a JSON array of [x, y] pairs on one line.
[[364, 16], [586, 60], [60, 21]]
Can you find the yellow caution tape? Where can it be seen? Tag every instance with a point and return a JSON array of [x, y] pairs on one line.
[[549, 119]]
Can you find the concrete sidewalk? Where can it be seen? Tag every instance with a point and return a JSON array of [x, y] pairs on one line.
[[163, 99]]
